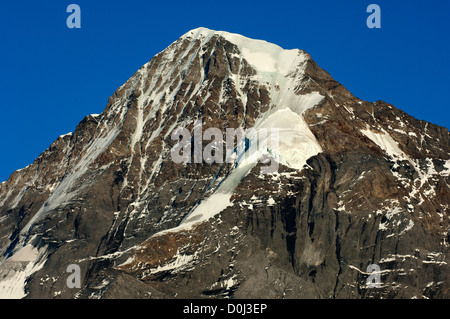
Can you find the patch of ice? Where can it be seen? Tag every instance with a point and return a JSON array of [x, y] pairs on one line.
[[67, 134], [15, 271], [179, 261], [296, 141], [385, 142], [213, 205]]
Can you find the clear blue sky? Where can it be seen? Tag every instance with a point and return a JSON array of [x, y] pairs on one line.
[[53, 76]]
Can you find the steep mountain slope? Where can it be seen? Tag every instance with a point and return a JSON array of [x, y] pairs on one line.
[[357, 183]]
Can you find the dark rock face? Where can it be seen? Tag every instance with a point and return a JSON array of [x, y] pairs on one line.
[[109, 197]]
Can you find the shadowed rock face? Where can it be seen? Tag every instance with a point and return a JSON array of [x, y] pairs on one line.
[[108, 197]]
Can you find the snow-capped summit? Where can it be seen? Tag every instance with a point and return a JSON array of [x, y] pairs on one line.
[[264, 56]]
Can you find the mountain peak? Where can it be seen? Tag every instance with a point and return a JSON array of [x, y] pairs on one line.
[[264, 56], [357, 184]]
